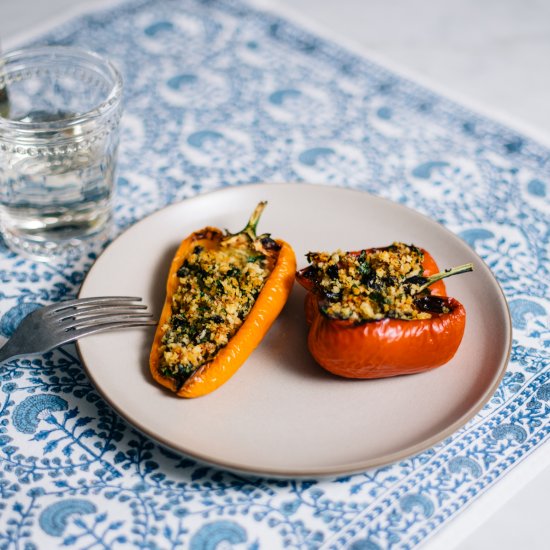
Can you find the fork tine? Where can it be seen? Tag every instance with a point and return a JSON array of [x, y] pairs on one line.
[[102, 318], [71, 335], [101, 300], [110, 309]]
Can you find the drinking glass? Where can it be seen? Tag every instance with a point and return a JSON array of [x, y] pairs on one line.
[[60, 110]]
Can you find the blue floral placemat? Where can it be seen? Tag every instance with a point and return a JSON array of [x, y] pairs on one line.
[[218, 94]]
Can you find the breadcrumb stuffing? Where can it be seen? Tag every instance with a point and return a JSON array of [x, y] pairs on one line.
[[369, 285], [217, 289]]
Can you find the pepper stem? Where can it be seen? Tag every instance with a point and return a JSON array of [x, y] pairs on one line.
[[250, 229], [444, 274]]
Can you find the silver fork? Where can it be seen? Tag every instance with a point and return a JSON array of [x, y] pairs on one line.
[[52, 326]]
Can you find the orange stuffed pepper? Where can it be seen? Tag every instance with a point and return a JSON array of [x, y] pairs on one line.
[[380, 312], [223, 293]]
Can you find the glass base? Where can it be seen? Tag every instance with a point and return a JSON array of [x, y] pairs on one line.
[[42, 249]]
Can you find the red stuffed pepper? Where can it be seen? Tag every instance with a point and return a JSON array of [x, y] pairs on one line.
[[380, 312]]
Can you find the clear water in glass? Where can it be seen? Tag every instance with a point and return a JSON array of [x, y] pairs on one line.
[[56, 164]]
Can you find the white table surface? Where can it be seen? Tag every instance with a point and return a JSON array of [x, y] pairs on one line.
[[496, 53]]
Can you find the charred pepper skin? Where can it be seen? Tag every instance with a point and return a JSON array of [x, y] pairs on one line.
[[229, 358], [387, 347]]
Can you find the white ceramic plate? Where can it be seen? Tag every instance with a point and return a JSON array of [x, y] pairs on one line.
[[282, 414]]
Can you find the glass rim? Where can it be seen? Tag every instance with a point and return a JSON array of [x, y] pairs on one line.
[[108, 104]]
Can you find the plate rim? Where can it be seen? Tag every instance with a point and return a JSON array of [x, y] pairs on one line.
[[316, 472]]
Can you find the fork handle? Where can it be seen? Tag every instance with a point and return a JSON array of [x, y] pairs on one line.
[[7, 352]]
